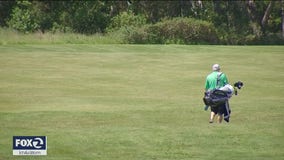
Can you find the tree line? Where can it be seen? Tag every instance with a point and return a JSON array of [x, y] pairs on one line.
[[228, 22]]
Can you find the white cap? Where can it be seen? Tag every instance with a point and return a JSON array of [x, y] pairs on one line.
[[216, 67]]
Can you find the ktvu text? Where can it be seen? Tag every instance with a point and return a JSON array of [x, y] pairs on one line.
[[29, 145]]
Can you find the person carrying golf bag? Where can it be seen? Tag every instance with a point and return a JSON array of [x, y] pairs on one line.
[[218, 91], [214, 81]]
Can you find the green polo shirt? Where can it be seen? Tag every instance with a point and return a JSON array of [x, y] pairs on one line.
[[211, 80]]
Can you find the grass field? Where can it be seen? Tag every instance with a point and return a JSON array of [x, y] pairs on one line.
[[140, 102]]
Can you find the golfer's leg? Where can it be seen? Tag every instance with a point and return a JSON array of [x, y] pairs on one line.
[[212, 115], [219, 118]]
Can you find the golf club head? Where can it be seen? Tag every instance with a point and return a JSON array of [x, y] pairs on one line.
[[239, 84]]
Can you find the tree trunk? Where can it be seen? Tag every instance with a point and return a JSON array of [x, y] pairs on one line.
[[282, 11], [266, 16], [254, 24]]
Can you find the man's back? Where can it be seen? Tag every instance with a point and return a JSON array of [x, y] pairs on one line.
[[211, 80]]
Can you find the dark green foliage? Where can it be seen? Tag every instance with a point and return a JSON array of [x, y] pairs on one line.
[[23, 17], [177, 30], [269, 39], [90, 17], [79, 16], [223, 22], [126, 19], [5, 11]]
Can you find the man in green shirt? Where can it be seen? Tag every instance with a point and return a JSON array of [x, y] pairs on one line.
[[216, 80]]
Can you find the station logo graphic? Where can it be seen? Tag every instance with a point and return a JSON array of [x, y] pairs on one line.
[[29, 145]]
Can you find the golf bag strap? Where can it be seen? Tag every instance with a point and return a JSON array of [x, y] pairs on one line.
[[218, 79]]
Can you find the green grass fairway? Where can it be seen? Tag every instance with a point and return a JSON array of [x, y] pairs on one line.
[[140, 102]]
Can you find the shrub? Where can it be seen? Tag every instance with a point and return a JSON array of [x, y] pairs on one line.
[[126, 19], [89, 17], [22, 18], [177, 31], [270, 39]]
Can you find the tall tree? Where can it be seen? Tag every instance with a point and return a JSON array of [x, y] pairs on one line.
[[282, 17], [5, 11], [253, 16], [266, 16]]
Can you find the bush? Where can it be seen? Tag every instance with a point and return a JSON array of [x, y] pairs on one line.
[[233, 37], [22, 18], [89, 17], [270, 39], [177, 31], [126, 19]]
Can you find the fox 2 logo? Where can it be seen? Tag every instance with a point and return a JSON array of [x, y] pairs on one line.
[[29, 142]]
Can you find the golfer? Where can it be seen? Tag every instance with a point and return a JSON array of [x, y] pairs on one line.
[[216, 80]]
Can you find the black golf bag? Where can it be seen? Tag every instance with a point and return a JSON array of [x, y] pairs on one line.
[[215, 98], [218, 98]]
